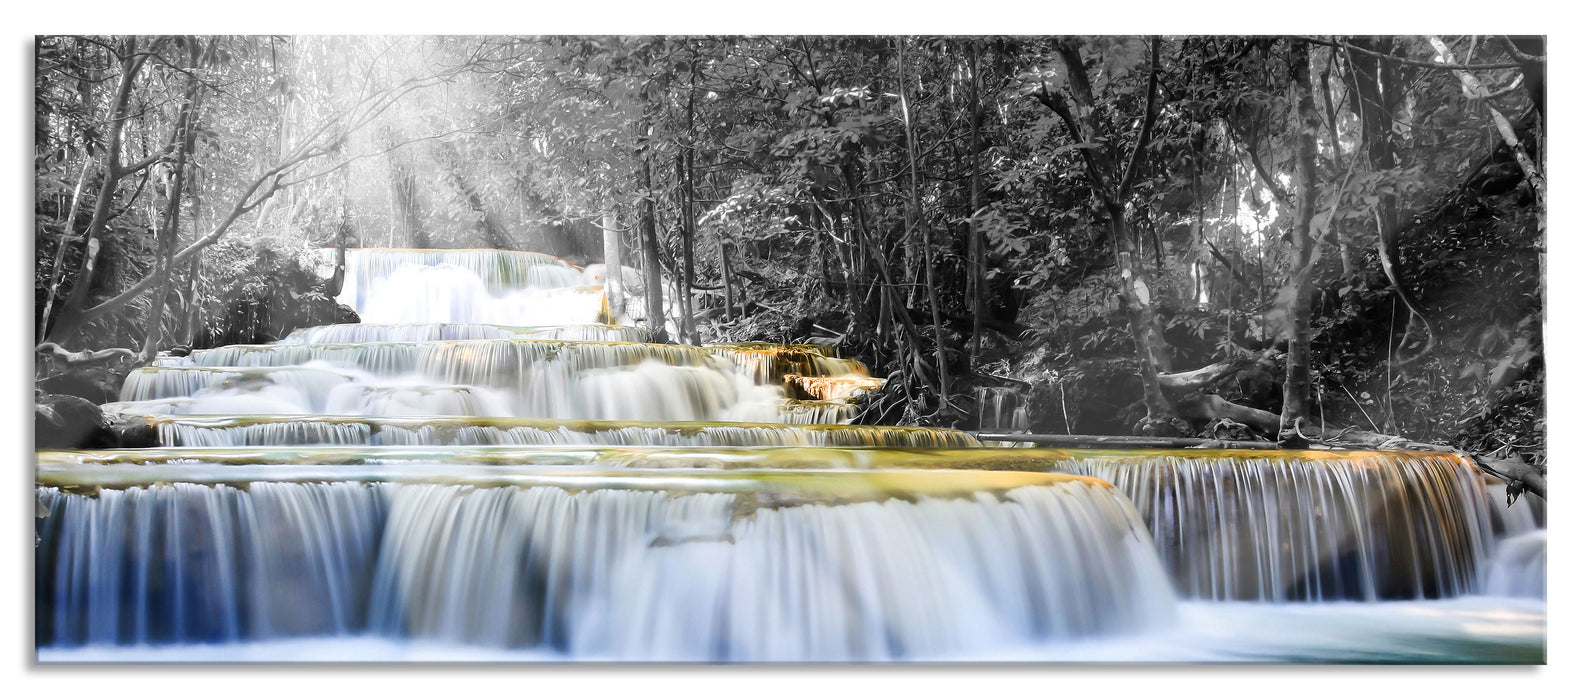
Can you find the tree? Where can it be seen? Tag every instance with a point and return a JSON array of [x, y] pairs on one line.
[[1298, 381], [1111, 184]]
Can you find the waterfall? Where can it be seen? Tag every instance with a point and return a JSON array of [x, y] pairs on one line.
[[767, 363], [499, 377], [817, 412], [412, 332], [299, 389], [499, 271], [641, 577], [232, 431], [485, 463], [468, 286], [1001, 410], [1305, 526], [481, 333], [1521, 566], [189, 563], [1524, 515], [1238, 525], [830, 388], [603, 573]]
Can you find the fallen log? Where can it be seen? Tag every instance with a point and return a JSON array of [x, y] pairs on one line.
[[1207, 408], [1516, 473], [84, 357], [1209, 375], [1124, 441], [1518, 476]]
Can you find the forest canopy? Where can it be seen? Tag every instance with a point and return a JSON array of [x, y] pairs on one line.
[[1234, 237]]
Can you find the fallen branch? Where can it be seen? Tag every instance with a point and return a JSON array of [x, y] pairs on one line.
[[84, 357], [1473, 88], [1124, 442], [1207, 376], [1517, 474], [1211, 407], [1409, 61]]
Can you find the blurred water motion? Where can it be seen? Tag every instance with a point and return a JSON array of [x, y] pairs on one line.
[[490, 470]]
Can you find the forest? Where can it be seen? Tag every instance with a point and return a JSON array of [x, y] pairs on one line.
[[1276, 238]]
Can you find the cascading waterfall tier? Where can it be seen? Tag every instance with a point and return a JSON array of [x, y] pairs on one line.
[[701, 566], [491, 357], [243, 431], [533, 377], [799, 412], [768, 363], [466, 286], [839, 388], [1239, 525], [497, 377], [501, 271], [297, 389], [464, 358], [410, 332], [1306, 526]]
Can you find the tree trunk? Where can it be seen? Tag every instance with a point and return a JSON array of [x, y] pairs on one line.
[[194, 309], [927, 254], [725, 279], [613, 279], [1298, 374], [68, 234], [1153, 353], [337, 280], [170, 227], [685, 228], [976, 245], [652, 274], [1533, 78], [71, 309], [1136, 293]]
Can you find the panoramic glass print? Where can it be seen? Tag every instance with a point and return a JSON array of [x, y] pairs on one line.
[[794, 349]]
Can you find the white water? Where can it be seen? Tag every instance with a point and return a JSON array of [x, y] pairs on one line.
[[496, 271], [1309, 526], [521, 378], [1521, 566], [1470, 630], [454, 295], [206, 431], [409, 332], [517, 554], [605, 573], [483, 333]]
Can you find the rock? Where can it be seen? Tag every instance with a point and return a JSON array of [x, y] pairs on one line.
[[94, 384], [268, 318], [133, 432], [65, 422]]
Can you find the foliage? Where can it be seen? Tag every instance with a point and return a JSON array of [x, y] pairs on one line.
[[794, 156]]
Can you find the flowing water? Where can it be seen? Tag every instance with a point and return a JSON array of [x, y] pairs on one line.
[[492, 467]]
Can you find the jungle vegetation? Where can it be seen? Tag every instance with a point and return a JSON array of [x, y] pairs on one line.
[[1237, 237]]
